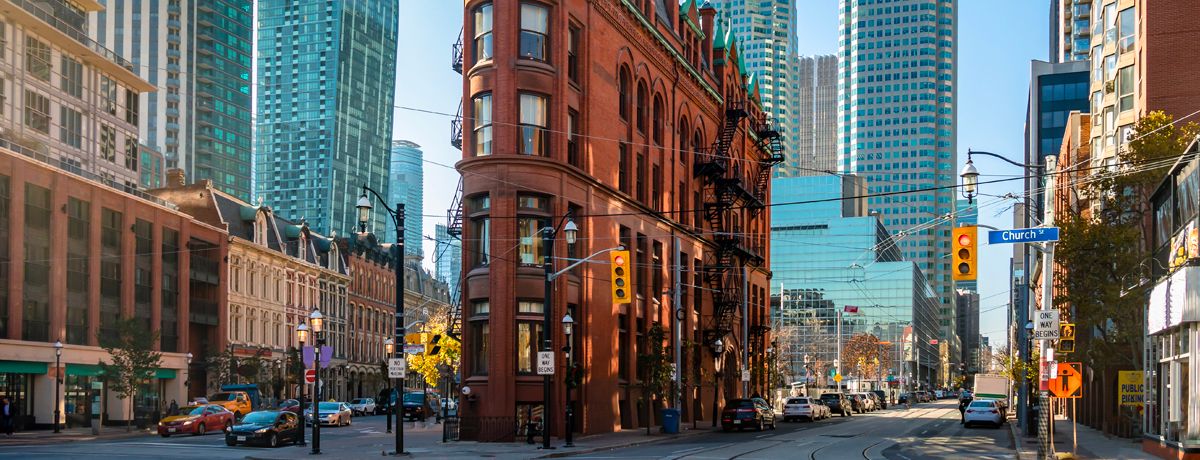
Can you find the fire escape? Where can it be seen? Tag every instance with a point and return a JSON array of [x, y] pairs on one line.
[[730, 185], [454, 215]]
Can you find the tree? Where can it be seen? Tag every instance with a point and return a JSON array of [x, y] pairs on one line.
[[864, 353], [220, 368], [132, 360], [449, 353], [1012, 367], [657, 366]]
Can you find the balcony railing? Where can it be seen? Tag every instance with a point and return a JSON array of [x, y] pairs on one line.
[[45, 159], [49, 17]]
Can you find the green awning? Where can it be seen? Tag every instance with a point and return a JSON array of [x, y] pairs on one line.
[[23, 367], [164, 373], [83, 370]]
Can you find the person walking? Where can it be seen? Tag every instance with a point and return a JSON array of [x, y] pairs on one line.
[[6, 415], [173, 409]]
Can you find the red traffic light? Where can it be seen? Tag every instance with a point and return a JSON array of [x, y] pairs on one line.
[[964, 240]]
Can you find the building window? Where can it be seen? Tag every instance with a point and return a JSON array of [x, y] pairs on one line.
[[108, 143], [37, 111], [483, 124], [1127, 30], [108, 95], [36, 322], [1125, 85], [481, 230], [642, 100], [1110, 24], [111, 270], [72, 77], [483, 33], [641, 178], [37, 58], [529, 335], [573, 138], [78, 250], [533, 126], [623, 168], [70, 132], [622, 347], [574, 35], [535, 29], [623, 93], [530, 307], [131, 153], [657, 131], [529, 233], [656, 191], [479, 347], [131, 107]]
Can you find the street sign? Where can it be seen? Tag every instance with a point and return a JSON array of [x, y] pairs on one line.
[[545, 363], [396, 368], [1066, 331], [326, 355], [414, 348], [1068, 383], [837, 378], [1131, 388], [1023, 235], [745, 375], [1045, 325], [310, 376]]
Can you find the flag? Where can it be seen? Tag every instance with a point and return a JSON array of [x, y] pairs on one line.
[[850, 309]]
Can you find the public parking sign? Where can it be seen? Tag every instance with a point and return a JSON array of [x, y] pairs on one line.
[[1045, 325]]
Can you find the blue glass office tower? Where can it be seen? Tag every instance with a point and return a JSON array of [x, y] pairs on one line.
[[326, 76], [897, 110], [829, 255], [447, 260], [407, 186]]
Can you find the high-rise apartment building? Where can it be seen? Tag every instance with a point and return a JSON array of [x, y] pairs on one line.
[[766, 33], [897, 110], [966, 303], [1070, 30], [326, 80], [406, 185], [197, 53], [447, 260], [65, 99], [812, 117]]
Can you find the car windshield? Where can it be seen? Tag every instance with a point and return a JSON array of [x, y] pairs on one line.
[[829, 396], [259, 418], [741, 404], [222, 397], [983, 404], [798, 401], [191, 410], [414, 398], [358, 401], [330, 406]]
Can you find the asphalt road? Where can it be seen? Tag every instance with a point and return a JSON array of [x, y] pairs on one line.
[[926, 431]]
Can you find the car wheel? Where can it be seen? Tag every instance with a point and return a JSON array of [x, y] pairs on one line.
[[230, 442], [165, 435], [200, 429], [726, 428], [273, 441]]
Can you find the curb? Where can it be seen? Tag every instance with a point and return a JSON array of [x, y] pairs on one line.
[[43, 440], [1015, 438], [657, 440]]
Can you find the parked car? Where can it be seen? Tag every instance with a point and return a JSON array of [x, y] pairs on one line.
[[858, 403], [922, 396], [838, 404], [269, 427], [416, 406], [362, 406], [938, 394], [983, 411], [196, 420], [332, 413], [290, 405], [882, 398], [802, 408], [904, 398], [742, 413], [871, 400], [237, 402]]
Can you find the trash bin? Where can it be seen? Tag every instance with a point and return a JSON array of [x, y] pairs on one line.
[[670, 421]]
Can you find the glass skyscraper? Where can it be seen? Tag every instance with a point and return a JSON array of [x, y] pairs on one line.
[[407, 186], [447, 260], [198, 55], [812, 114], [1070, 30], [326, 79], [897, 109], [828, 256]]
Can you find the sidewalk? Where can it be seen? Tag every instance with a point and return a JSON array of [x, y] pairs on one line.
[[35, 437], [1092, 443]]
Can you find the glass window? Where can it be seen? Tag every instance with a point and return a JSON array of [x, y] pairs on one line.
[[483, 33], [533, 202], [483, 124], [573, 138], [642, 100], [71, 129], [530, 247], [1097, 104], [482, 307], [72, 77], [530, 307], [1125, 84], [574, 35], [1110, 24], [535, 28], [37, 111], [529, 335], [479, 347], [1097, 64], [534, 136], [481, 231], [1127, 28], [623, 80], [37, 58], [1110, 71]]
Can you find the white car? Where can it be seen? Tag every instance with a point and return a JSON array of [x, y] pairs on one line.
[[362, 406], [983, 412], [801, 408]]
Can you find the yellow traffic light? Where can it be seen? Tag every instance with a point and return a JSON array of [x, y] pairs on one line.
[[414, 338], [432, 348], [962, 249], [621, 289]]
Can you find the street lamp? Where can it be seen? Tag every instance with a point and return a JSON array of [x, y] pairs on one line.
[[570, 231], [317, 322], [389, 347], [301, 338], [568, 324], [58, 346], [718, 348], [364, 215], [770, 367], [970, 179], [187, 379]]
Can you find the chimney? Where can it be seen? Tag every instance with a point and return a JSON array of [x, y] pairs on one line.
[[176, 178], [708, 14]]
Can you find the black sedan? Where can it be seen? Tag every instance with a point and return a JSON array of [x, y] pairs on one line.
[[744, 413], [270, 428]]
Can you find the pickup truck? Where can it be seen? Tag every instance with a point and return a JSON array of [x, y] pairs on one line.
[[237, 402]]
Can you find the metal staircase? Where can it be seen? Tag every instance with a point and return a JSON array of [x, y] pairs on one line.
[[456, 54], [454, 226]]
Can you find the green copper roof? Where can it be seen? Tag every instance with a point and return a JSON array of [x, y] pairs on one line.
[[720, 37], [291, 231], [247, 213]]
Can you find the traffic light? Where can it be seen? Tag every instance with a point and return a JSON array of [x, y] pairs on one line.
[[621, 289], [432, 348], [964, 254]]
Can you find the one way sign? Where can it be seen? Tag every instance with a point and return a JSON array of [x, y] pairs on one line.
[[1045, 325]]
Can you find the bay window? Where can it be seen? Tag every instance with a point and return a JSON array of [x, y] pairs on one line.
[[535, 30], [529, 336], [534, 136], [483, 33], [483, 124]]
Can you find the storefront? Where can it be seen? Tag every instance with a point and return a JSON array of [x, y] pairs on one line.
[[1172, 413], [16, 383]]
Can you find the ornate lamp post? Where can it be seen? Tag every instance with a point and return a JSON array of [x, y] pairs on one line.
[[301, 337], [718, 348], [570, 230], [389, 347], [568, 324], [58, 346], [317, 320]]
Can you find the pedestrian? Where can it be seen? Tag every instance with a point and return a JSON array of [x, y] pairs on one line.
[[6, 415], [962, 409], [173, 409]]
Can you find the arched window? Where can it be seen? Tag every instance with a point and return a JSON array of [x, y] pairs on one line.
[[657, 133], [684, 145], [698, 145], [642, 100], [623, 92]]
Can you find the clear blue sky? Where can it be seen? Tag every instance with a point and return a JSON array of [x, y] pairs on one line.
[[996, 42]]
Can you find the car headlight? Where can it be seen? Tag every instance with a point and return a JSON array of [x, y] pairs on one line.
[[261, 430], [189, 422]]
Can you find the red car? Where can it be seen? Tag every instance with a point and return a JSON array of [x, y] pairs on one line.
[[290, 405], [196, 420]]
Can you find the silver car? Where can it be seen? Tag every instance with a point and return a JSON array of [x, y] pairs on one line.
[[362, 406], [332, 413], [801, 408]]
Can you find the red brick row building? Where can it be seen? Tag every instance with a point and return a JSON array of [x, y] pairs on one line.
[[638, 120]]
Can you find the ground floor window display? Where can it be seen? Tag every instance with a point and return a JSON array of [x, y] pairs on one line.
[[1172, 414], [19, 390]]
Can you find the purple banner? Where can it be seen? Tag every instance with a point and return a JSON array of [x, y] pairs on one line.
[[326, 354]]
